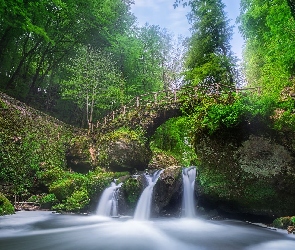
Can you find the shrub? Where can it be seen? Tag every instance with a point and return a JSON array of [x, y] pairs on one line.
[[284, 222], [77, 201], [5, 206]]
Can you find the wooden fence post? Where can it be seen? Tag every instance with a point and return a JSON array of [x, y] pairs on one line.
[[113, 115], [124, 110], [105, 120], [155, 96], [137, 101], [217, 87]]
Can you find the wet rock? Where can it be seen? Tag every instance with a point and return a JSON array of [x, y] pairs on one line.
[[168, 193]]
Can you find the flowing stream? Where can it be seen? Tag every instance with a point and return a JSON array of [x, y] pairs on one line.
[[34, 230], [188, 202], [44, 230], [108, 203], [143, 208]]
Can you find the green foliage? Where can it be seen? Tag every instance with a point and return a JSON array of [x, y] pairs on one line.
[[98, 180], [77, 201], [75, 191], [209, 59], [5, 206], [132, 191], [94, 83], [173, 137], [30, 149], [268, 29], [44, 199], [284, 222], [68, 185], [229, 110]]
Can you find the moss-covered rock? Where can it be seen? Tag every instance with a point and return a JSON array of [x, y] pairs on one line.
[[80, 154], [248, 169], [162, 160], [129, 195], [5, 206], [123, 150]]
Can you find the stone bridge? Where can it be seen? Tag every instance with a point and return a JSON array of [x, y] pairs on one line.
[[151, 110]]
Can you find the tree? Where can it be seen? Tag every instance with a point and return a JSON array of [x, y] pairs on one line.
[[149, 59], [37, 37], [268, 29], [94, 83], [209, 59]]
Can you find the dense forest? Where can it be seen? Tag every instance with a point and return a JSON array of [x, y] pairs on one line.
[[78, 60]]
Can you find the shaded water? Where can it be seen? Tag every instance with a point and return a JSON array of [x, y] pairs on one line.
[[45, 230]]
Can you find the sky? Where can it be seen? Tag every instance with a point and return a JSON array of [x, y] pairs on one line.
[[162, 13]]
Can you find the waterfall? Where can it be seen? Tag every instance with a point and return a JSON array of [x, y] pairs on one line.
[[188, 202], [143, 208], [108, 203]]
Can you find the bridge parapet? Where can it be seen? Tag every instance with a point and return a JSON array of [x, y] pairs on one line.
[[164, 99]]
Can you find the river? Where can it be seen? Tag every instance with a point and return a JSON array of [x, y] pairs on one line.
[[46, 230]]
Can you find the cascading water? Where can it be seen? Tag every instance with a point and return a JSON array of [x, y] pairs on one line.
[[143, 208], [108, 203], [188, 202]]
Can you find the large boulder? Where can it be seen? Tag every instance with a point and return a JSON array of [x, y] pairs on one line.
[[80, 154], [117, 151], [249, 169], [168, 193], [123, 150]]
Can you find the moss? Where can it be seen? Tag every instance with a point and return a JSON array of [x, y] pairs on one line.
[[5, 206], [123, 150], [261, 157], [132, 190], [214, 183], [241, 168]]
